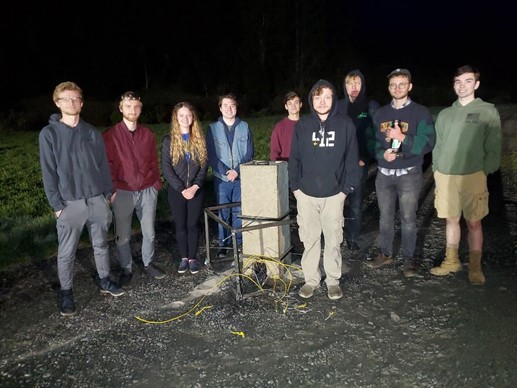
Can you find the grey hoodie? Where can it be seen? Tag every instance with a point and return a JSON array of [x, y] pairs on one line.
[[73, 162]]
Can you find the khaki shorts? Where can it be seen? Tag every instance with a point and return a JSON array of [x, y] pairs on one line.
[[461, 194]]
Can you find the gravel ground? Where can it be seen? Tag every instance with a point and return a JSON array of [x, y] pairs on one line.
[[192, 331]]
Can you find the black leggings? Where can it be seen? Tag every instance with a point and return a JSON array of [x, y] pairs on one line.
[[187, 215]]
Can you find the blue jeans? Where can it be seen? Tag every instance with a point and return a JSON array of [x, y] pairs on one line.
[[228, 192], [406, 189]]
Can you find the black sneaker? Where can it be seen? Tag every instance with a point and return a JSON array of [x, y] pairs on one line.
[[410, 268], [154, 271], [108, 287], [184, 265], [352, 246], [193, 266], [125, 277], [67, 304]]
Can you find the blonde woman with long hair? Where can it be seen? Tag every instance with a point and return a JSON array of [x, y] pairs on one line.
[[184, 167]]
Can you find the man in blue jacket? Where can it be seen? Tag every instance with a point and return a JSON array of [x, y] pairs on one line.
[[229, 144], [323, 170]]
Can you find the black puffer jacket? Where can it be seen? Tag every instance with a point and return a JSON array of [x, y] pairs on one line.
[[185, 173]]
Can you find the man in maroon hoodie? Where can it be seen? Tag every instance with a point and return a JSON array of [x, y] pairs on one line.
[[133, 161]]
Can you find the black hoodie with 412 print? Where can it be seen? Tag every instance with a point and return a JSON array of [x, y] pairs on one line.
[[324, 156]]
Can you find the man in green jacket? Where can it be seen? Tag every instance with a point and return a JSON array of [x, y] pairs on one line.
[[468, 148]]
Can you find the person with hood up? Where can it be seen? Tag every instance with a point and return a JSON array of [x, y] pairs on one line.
[[360, 109], [323, 169]]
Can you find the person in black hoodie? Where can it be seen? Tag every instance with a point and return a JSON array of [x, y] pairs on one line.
[[360, 109], [323, 169]]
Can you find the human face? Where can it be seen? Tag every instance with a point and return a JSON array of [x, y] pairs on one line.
[[465, 85], [353, 87], [293, 106], [228, 108], [131, 109], [322, 103], [185, 119], [399, 87], [70, 102]]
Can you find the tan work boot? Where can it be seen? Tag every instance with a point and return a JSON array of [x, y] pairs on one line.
[[450, 264], [476, 276]]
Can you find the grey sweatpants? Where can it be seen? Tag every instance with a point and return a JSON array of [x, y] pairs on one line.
[[144, 204], [96, 214]]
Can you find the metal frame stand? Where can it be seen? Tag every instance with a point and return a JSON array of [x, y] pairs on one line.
[[212, 212]]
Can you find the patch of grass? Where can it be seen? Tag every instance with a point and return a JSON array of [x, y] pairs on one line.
[[27, 224]]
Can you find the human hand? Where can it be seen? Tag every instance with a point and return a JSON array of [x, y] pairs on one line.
[[190, 192], [390, 155], [231, 175], [395, 132]]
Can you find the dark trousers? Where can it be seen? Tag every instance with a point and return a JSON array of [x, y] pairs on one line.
[[187, 215], [404, 190], [353, 209]]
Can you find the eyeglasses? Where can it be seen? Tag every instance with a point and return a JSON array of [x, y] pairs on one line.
[[130, 96], [69, 100], [402, 85]]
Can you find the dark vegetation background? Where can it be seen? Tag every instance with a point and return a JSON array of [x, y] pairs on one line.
[[172, 51]]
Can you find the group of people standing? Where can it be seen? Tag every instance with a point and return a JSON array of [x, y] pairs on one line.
[[332, 147], [90, 177]]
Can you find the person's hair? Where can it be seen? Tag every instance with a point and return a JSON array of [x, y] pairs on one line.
[[68, 85], [351, 76], [131, 96], [290, 96], [196, 144], [230, 96], [467, 69], [319, 89]]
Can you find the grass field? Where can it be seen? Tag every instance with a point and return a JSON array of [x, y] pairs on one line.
[[27, 224]]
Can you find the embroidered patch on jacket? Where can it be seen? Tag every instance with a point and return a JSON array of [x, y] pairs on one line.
[[472, 118]]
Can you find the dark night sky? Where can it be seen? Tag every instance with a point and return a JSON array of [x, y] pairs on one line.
[[100, 46]]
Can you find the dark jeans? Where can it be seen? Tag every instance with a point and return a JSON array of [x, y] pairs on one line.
[[353, 209], [406, 189], [295, 236]]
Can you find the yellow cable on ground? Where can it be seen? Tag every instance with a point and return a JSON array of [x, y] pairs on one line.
[[247, 266]]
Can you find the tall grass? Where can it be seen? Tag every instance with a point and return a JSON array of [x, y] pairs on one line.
[[27, 224]]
